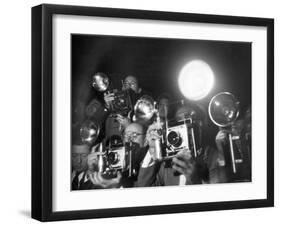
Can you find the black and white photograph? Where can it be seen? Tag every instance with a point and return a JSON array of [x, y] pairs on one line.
[[139, 113], [142, 112], [151, 112]]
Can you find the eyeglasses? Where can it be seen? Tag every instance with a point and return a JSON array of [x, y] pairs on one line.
[[132, 136], [75, 155], [130, 84]]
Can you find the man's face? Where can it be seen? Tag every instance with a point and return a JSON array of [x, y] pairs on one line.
[[131, 82], [93, 108], [248, 121], [163, 107], [134, 132], [237, 126], [79, 157], [184, 112]]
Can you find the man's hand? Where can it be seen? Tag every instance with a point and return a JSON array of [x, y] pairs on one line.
[[93, 158], [108, 98], [152, 134], [124, 121], [92, 161], [184, 163], [221, 140], [221, 136], [97, 179]]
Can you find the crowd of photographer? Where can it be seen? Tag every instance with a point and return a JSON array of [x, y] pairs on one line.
[[128, 139]]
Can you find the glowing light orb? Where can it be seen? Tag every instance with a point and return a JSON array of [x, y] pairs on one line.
[[196, 80]]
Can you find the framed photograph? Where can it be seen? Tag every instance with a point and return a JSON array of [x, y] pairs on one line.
[[145, 112]]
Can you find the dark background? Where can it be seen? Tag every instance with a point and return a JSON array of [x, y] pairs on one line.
[[156, 62]]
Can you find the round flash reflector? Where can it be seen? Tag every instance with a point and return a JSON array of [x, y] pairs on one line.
[[196, 80]]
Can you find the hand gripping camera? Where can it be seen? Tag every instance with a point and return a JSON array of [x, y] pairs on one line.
[[122, 103], [224, 111], [177, 134]]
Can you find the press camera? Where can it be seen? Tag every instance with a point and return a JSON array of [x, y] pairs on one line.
[[121, 103], [180, 136], [177, 134], [117, 157]]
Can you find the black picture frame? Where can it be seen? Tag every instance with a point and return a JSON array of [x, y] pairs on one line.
[[42, 107]]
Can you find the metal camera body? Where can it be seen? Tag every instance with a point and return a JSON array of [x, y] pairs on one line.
[[180, 136], [111, 162], [117, 157], [177, 134], [122, 103]]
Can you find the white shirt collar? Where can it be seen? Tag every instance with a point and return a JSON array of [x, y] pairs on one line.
[[80, 176]]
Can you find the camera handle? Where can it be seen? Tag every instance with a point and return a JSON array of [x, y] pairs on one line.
[[158, 142], [132, 171], [193, 141], [232, 153], [130, 159], [101, 164]]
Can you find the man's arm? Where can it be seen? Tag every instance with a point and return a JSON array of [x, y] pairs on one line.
[[216, 166], [184, 164], [147, 176]]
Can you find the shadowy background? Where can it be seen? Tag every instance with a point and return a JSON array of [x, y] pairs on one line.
[[156, 62]]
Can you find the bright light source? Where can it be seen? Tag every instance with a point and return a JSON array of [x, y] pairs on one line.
[[196, 80]]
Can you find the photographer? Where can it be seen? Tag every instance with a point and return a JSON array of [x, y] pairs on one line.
[[96, 111], [209, 160], [79, 158], [183, 169], [133, 133], [179, 171], [131, 82], [240, 129], [163, 105], [84, 136], [131, 85]]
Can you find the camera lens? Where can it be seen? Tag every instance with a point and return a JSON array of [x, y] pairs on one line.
[[174, 139], [120, 103], [113, 158]]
